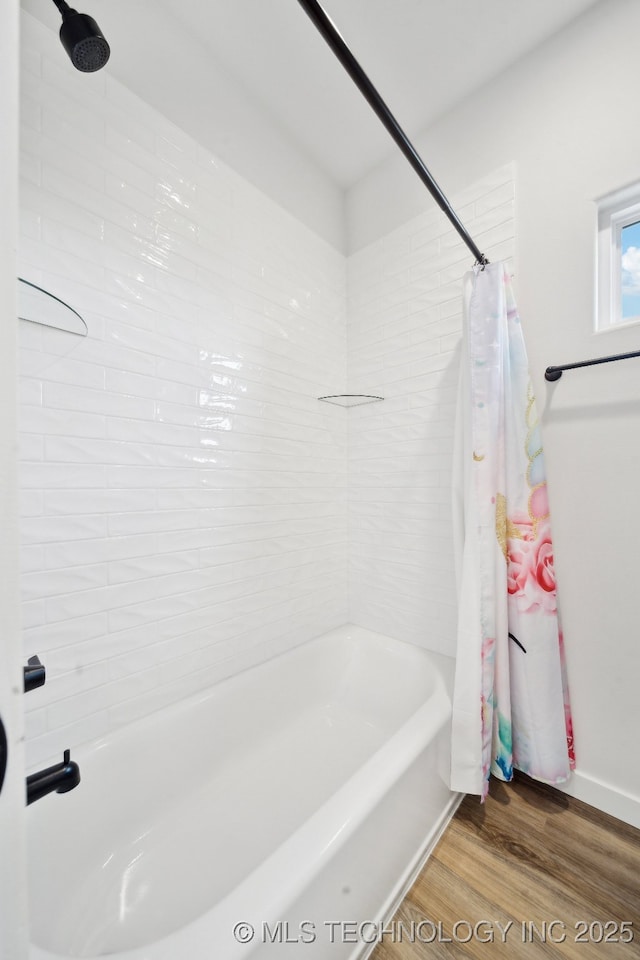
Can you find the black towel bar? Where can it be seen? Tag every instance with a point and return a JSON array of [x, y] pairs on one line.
[[554, 373]]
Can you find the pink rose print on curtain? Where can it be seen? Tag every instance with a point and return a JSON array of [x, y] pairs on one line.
[[531, 577], [544, 572]]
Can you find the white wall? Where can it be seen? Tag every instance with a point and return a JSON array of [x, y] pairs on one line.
[[183, 492], [13, 814], [563, 115], [404, 323]]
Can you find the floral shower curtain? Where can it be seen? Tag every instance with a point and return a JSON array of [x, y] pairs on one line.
[[510, 705]]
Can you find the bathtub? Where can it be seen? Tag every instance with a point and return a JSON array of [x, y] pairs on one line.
[[298, 798]]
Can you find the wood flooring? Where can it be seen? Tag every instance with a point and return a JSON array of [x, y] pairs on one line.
[[530, 874]]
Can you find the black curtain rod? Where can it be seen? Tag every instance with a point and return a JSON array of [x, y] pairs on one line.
[[554, 373], [360, 78]]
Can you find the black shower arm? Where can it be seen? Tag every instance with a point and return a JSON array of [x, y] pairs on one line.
[[332, 36]]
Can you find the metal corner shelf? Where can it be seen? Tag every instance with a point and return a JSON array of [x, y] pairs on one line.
[[350, 399], [39, 306]]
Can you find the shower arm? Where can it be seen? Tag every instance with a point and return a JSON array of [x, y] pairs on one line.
[[330, 33]]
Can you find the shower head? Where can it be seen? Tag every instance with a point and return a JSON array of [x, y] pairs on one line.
[[82, 39]]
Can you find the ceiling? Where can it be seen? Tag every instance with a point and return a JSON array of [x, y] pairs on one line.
[[422, 55]]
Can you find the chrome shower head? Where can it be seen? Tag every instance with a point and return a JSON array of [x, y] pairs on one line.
[[82, 39]]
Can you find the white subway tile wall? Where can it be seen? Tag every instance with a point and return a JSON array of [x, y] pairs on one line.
[[404, 332], [183, 491]]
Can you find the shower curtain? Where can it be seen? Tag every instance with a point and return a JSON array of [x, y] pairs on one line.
[[510, 704]]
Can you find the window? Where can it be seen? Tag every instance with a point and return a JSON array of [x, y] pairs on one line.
[[619, 259], [630, 270]]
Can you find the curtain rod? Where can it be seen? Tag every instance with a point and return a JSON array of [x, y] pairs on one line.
[[554, 373], [330, 33]]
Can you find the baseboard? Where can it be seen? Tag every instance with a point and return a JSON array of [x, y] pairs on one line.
[[604, 797]]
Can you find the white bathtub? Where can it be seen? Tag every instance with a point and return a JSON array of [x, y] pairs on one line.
[[305, 791]]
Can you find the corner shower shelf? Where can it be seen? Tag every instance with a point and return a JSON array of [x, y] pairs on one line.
[[39, 306], [350, 399]]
